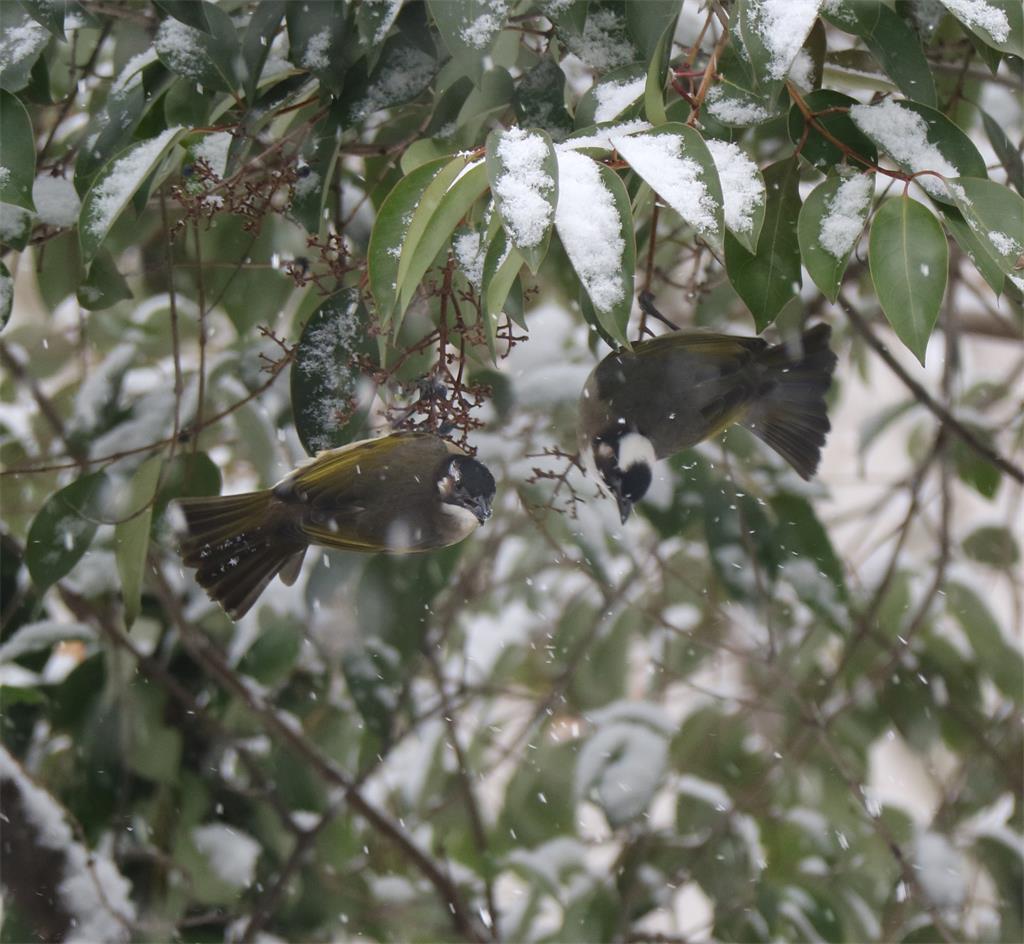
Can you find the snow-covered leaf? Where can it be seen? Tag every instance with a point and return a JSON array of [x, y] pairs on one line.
[[330, 396], [22, 39], [773, 33], [468, 28], [317, 34], [819, 150], [831, 220], [743, 191], [677, 165], [614, 94], [210, 57], [995, 214], [523, 173], [997, 23], [117, 184], [595, 225]]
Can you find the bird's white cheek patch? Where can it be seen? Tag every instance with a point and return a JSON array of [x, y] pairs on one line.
[[465, 519], [635, 449]]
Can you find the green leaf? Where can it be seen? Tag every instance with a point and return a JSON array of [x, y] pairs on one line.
[[502, 265], [1009, 156], [104, 286], [330, 395], [595, 225], [6, 295], [131, 535], [63, 529], [374, 20], [190, 12], [468, 28], [649, 24], [997, 23], [992, 545], [49, 13], [433, 224], [404, 70], [540, 100], [909, 260], [996, 216], [997, 658], [523, 174], [187, 475], [801, 535], [769, 277], [979, 251], [320, 152], [829, 225], [390, 233], [263, 24], [974, 469], [271, 658], [210, 57], [316, 40], [115, 186], [153, 748], [17, 153], [22, 39], [677, 165], [817, 149], [892, 42], [654, 88]]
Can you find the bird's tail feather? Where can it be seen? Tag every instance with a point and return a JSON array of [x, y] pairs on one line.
[[235, 546], [790, 414]]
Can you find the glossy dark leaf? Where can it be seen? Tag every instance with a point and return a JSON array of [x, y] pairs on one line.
[[818, 149], [17, 153]]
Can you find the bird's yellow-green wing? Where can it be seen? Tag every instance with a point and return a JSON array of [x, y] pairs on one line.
[[332, 469]]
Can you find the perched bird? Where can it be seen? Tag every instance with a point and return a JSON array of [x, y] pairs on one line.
[[672, 391], [402, 493]]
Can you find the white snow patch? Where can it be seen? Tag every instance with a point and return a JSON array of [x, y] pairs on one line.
[[479, 32], [92, 891], [602, 137], [314, 57], [904, 134], [14, 222], [232, 854], [114, 190], [33, 637], [588, 225], [21, 42], [977, 14], [470, 256], [742, 186], [56, 201], [845, 215], [939, 869], [678, 180], [783, 26], [388, 19], [1004, 245], [398, 84], [182, 48], [524, 188], [603, 45], [131, 74], [623, 762], [733, 111], [614, 97], [801, 72]]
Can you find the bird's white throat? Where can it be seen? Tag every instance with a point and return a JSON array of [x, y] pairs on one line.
[[635, 449]]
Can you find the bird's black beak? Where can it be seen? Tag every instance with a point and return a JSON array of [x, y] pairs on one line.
[[625, 507], [481, 507]]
